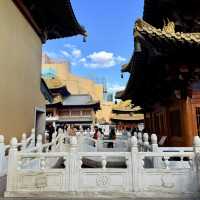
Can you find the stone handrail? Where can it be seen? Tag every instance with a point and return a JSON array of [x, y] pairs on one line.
[[135, 175]]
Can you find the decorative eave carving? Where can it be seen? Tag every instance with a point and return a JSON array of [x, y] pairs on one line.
[[167, 32]]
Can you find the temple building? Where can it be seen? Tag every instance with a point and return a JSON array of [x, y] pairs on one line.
[[164, 70], [25, 26], [125, 116], [67, 108], [78, 85], [75, 84]]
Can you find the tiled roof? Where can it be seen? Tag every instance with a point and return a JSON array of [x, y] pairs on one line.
[[54, 83], [78, 100], [146, 29]]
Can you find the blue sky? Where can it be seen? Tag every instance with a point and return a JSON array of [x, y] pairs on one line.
[[109, 24]]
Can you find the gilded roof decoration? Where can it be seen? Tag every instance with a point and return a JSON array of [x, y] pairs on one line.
[[169, 27], [126, 106], [54, 83], [132, 117], [167, 32]]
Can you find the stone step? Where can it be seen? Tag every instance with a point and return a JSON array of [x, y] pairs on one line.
[[98, 195]]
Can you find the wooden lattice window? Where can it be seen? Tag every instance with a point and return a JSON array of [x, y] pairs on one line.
[[198, 119], [86, 112], [75, 113], [64, 112]]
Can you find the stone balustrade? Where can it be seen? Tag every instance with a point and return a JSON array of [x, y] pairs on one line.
[[139, 170]]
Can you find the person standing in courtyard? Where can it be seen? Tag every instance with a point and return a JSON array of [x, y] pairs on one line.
[[96, 133], [50, 130], [112, 136]]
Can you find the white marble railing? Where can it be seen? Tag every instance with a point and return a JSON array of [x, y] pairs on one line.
[[75, 170], [26, 143]]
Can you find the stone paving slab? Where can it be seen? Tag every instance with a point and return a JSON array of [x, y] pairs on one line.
[[120, 198], [98, 196]]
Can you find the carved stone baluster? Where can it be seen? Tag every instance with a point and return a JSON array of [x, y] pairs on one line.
[[65, 158], [146, 141], [181, 160], [32, 144], [127, 162], [142, 163], [23, 141], [19, 164], [42, 163], [140, 143], [80, 162], [166, 160], [103, 162], [12, 165], [39, 143], [191, 162]]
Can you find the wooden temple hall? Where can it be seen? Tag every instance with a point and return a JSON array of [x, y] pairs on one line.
[[66, 108], [165, 69]]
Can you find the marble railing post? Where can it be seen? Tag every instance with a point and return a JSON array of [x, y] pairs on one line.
[[154, 147], [73, 164], [12, 166], [2, 154], [140, 142], [39, 143], [146, 142], [23, 141], [134, 158], [196, 146], [32, 144], [61, 137]]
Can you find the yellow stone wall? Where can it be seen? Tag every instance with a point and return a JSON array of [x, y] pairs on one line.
[[20, 62], [76, 84]]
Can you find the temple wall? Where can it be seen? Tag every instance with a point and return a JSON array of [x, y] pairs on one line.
[[20, 62]]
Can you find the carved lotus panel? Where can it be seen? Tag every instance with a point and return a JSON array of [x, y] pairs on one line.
[[103, 180]]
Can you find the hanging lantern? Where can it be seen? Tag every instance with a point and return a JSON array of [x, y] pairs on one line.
[[122, 75], [84, 38]]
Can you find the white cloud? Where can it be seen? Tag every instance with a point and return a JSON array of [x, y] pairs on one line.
[[76, 53], [73, 63], [82, 60], [116, 87], [97, 59], [102, 59], [120, 59], [65, 53], [70, 46]]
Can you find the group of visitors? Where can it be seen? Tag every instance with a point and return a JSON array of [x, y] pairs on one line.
[[96, 133]]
